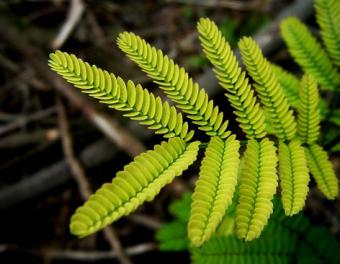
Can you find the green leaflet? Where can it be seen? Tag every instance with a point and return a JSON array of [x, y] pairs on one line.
[[294, 176], [214, 188], [240, 95], [328, 17], [275, 246], [176, 84], [268, 89], [140, 181], [289, 83], [322, 171], [308, 53], [258, 182], [139, 104], [308, 122]]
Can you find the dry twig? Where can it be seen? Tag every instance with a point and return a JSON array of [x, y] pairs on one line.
[[76, 10], [78, 173]]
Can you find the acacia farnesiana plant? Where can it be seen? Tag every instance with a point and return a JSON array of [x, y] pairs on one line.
[[220, 172]]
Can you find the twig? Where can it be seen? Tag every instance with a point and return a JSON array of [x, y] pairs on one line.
[[54, 175], [20, 139], [83, 256], [76, 10], [98, 255], [102, 121], [235, 5], [24, 120], [144, 220], [78, 173]]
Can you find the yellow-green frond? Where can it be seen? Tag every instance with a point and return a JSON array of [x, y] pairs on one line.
[[294, 176], [308, 122], [139, 104], [308, 53], [289, 83], [268, 89], [322, 171], [214, 189], [258, 182], [140, 181], [176, 84], [328, 17], [231, 77]]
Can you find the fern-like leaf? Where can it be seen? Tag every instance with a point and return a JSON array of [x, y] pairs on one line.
[[322, 171], [214, 189], [308, 122], [140, 181], [308, 53], [109, 89], [231, 77], [328, 17], [289, 83], [294, 176], [258, 182], [268, 89], [276, 246], [176, 84]]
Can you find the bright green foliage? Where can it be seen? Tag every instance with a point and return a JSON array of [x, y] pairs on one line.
[[328, 17], [308, 122], [284, 240], [275, 246], [176, 84], [138, 102], [322, 171], [173, 236], [308, 53], [214, 189], [289, 83], [258, 182], [268, 89], [231, 77], [294, 176], [140, 181]]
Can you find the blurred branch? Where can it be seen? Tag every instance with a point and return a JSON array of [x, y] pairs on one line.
[[54, 175], [78, 255], [78, 173], [76, 10], [24, 120], [231, 4], [97, 255]]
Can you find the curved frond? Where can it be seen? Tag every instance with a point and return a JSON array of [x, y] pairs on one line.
[[268, 89], [274, 247], [294, 176], [308, 122], [322, 171], [258, 182], [328, 17], [289, 83], [139, 104], [231, 77], [176, 84], [308, 53], [214, 188], [140, 181]]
